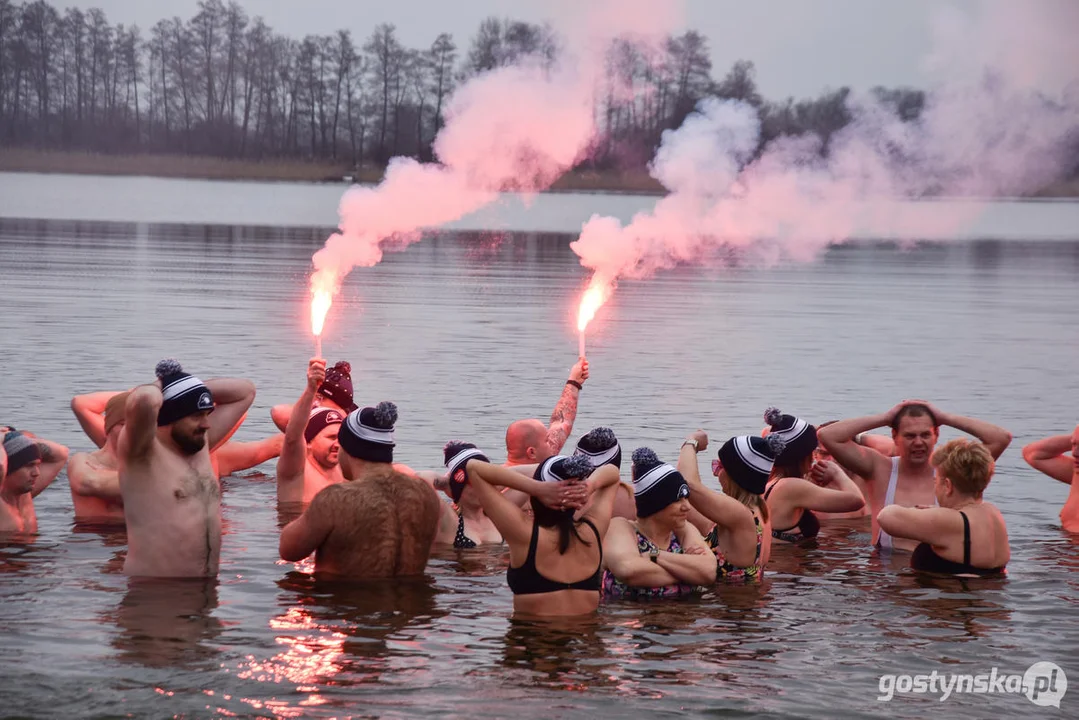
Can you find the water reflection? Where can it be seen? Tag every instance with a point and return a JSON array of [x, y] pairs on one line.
[[167, 622], [333, 634], [562, 654]]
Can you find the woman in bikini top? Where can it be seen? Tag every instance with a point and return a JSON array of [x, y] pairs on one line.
[[964, 536], [798, 486], [736, 520], [661, 555], [555, 558]]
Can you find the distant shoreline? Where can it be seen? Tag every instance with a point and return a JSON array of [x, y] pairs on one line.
[[197, 167]]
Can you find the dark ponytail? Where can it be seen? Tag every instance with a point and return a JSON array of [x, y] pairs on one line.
[[561, 519]]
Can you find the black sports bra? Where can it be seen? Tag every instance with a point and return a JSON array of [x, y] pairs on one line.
[[808, 525], [926, 560], [527, 580]]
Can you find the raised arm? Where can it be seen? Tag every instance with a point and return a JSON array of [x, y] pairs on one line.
[[3, 460], [89, 410], [565, 410], [512, 522], [1048, 456], [293, 457], [838, 439], [53, 460], [232, 398], [236, 456], [717, 507], [140, 421], [994, 437]]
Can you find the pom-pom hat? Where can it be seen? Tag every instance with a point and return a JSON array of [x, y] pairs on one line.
[[748, 460], [799, 435], [656, 484], [601, 447], [368, 434], [182, 394]]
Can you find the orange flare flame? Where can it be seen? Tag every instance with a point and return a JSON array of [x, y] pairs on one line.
[[323, 286], [599, 291]]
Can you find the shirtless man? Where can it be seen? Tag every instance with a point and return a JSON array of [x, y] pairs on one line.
[[530, 442], [28, 465], [1050, 457], [172, 498], [95, 477], [335, 393], [907, 479], [228, 456], [381, 523], [309, 456]]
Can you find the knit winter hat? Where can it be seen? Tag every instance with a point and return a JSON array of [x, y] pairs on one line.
[[655, 483], [319, 420], [748, 460], [21, 451], [800, 436], [368, 434], [338, 386], [456, 455], [182, 394], [601, 447]]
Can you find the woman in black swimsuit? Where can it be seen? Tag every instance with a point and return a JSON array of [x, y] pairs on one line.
[[555, 558], [964, 536], [798, 487]]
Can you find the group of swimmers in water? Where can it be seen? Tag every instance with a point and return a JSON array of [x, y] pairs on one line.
[[575, 531]]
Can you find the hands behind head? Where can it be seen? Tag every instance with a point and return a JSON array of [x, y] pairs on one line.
[[702, 439], [907, 403], [579, 373], [316, 373], [568, 495]]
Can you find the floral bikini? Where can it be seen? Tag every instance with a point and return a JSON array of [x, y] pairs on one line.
[[726, 571], [614, 588]]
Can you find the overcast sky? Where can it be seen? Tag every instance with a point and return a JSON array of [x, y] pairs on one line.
[[800, 47]]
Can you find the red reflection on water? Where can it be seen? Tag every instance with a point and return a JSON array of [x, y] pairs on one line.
[[307, 660]]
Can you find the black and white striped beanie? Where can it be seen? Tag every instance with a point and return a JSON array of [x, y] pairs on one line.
[[182, 394], [748, 460], [367, 434], [655, 483]]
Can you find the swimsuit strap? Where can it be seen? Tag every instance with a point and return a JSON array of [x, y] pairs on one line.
[[966, 538], [460, 540]]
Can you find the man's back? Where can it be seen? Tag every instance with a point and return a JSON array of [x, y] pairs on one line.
[[380, 526]]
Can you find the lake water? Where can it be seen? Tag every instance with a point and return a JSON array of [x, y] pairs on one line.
[[468, 331]]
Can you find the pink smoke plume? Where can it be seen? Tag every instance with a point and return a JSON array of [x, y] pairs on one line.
[[999, 122], [514, 128]]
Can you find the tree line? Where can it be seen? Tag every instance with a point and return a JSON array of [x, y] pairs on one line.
[[225, 85]]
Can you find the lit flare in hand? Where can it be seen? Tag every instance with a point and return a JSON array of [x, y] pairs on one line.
[[598, 292]]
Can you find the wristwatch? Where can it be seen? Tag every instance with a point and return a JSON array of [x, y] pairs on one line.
[[693, 442], [653, 555]]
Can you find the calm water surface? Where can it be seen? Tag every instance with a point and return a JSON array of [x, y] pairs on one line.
[[467, 332]]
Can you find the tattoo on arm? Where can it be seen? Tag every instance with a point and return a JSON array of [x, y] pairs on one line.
[[565, 412], [46, 452]]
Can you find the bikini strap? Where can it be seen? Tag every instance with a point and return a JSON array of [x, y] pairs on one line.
[[966, 539], [531, 559], [588, 522], [768, 490]]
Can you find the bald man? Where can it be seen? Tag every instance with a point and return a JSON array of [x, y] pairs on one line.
[[530, 442]]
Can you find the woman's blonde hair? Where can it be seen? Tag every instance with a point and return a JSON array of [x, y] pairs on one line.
[[750, 500], [968, 464]]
